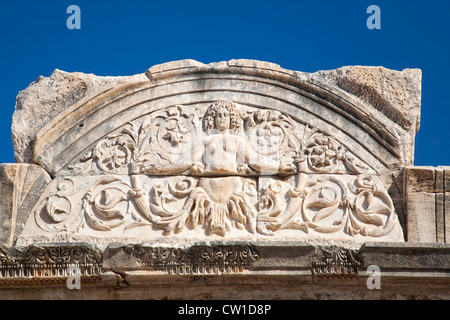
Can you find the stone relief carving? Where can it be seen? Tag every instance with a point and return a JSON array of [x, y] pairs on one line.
[[345, 205], [49, 261], [218, 203], [328, 204], [194, 260], [332, 261], [221, 140], [57, 206], [106, 204], [223, 169]]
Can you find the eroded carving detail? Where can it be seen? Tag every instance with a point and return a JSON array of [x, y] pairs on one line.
[[331, 261], [213, 161], [51, 214], [106, 204], [326, 155], [219, 204], [326, 204], [194, 260], [43, 262]]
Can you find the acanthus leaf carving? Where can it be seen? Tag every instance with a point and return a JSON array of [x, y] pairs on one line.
[[194, 259], [326, 204], [329, 204], [53, 213], [106, 204], [41, 262], [201, 206], [331, 261]]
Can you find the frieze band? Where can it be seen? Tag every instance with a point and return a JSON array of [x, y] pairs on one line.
[[333, 261], [195, 259], [48, 261]]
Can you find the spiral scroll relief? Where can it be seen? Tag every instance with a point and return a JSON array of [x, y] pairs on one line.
[[221, 170]]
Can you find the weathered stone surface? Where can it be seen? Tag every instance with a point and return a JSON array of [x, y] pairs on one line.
[[216, 170], [405, 257], [226, 270], [231, 179], [318, 208], [447, 216], [421, 212], [47, 97], [49, 262], [426, 204], [368, 130], [395, 93], [20, 187]]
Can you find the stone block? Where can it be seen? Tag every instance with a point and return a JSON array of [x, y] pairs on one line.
[[20, 188], [439, 180], [446, 179], [440, 218], [426, 203], [421, 212], [420, 179], [404, 257], [447, 217], [317, 208], [237, 178]]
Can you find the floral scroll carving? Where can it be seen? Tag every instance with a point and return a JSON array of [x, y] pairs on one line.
[[106, 204], [178, 140], [219, 212], [329, 204], [158, 145], [351, 205], [225, 169], [52, 213]]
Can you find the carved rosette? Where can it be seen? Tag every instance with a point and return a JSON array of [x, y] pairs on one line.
[[272, 135], [163, 143], [55, 210]]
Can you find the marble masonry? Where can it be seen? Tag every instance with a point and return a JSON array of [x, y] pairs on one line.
[[241, 174]]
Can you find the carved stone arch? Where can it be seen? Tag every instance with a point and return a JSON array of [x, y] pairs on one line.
[[240, 149], [379, 136]]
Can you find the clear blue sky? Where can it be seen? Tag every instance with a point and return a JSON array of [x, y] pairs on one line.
[[127, 37]]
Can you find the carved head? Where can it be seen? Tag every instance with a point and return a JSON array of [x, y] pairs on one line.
[[222, 115]]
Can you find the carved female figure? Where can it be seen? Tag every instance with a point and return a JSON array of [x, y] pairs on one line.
[[228, 200], [225, 150]]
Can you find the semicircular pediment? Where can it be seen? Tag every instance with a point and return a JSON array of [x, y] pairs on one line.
[[241, 149], [362, 130]]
